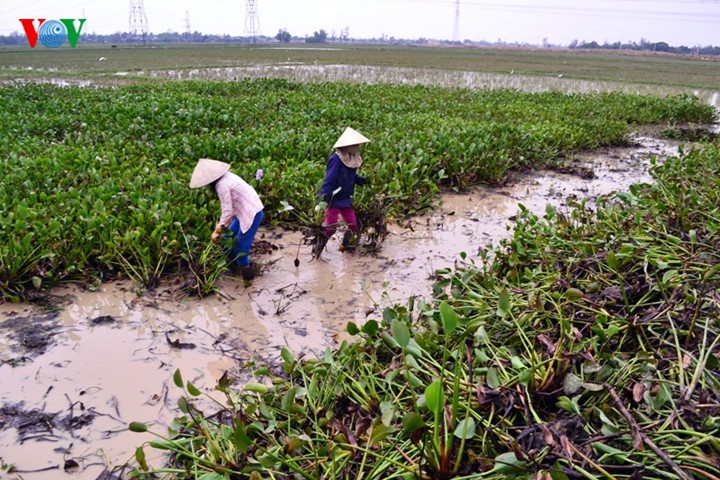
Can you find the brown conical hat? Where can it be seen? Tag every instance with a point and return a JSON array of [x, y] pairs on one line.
[[350, 137], [207, 171]]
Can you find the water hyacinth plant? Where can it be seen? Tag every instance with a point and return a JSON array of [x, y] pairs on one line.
[[95, 179]]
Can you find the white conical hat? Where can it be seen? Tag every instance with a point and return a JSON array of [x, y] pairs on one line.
[[207, 171], [350, 137]]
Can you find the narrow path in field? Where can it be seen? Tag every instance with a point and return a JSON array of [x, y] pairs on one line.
[[72, 380]]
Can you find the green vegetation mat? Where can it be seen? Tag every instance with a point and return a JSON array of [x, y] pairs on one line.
[[95, 180], [585, 346]]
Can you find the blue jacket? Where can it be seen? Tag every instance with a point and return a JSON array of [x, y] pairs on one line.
[[338, 175]]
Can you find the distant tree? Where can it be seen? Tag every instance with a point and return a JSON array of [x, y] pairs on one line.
[[574, 43], [317, 37], [283, 36], [592, 44]]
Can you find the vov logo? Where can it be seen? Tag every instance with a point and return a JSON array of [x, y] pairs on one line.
[[52, 33]]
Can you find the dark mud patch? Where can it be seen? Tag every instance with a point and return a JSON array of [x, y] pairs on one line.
[[36, 424], [30, 336], [103, 320], [53, 428], [584, 172]]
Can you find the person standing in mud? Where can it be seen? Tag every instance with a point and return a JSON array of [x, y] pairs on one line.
[[241, 210], [339, 186]]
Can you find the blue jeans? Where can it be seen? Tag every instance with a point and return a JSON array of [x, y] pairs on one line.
[[240, 251]]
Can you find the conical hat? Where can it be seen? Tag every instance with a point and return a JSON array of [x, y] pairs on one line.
[[350, 137], [207, 171]]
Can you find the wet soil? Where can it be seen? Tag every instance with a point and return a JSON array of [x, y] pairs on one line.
[[71, 380]]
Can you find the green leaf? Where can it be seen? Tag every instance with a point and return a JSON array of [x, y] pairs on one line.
[[137, 427], [662, 397], [401, 332], [288, 399], [328, 356], [192, 389], [267, 460], [387, 409], [352, 328], [287, 355], [507, 463], [379, 433], [491, 378], [177, 378], [240, 438], [517, 362], [435, 397], [140, 457], [412, 422], [667, 276], [370, 328], [294, 443], [566, 404], [503, 303], [389, 315], [465, 429], [160, 445], [525, 377], [449, 318], [257, 387], [612, 260], [183, 405]]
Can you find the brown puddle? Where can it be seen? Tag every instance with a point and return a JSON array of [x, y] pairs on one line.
[[106, 358]]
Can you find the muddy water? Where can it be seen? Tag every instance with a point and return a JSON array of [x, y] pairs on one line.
[[111, 354]]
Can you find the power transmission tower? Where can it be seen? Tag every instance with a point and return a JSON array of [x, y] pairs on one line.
[[252, 24], [138, 20], [456, 27], [187, 23]]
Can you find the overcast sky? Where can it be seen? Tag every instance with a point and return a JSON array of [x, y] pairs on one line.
[[677, 22]]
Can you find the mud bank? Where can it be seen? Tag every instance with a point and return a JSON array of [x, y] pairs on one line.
[[71, 380]]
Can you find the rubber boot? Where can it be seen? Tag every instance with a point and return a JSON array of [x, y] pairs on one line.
[[248, 272], [348, 242]]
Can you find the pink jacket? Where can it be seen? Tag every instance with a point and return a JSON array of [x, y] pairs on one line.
[[237, 199]]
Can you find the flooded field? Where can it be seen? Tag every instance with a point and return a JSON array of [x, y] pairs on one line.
[[421, 76], [393, 75], [72, 377]]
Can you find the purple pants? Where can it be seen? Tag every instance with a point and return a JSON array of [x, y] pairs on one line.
[[331, 219]]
